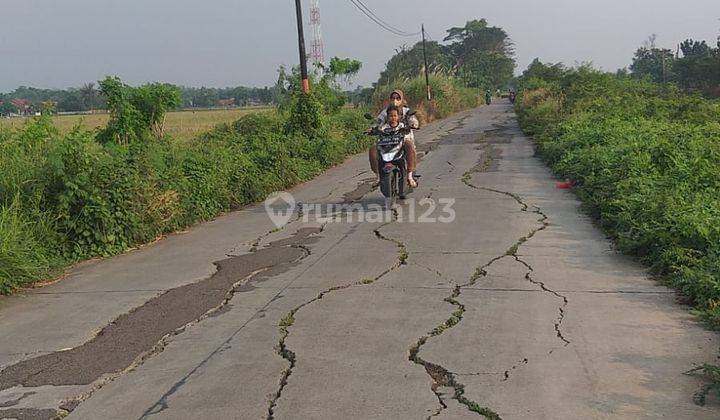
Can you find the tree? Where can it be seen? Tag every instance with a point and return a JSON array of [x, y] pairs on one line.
[[656, 63], [48, 107], [154, 101], [488, 70], [409, 63], [483, 55], [7, 107], [699, 67], [135, 112], [478, 54], [549, 72], [125, 125], [70, 102], [345, 68], [89, 97], [476, 35]]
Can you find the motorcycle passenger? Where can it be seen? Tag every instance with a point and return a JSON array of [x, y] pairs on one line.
[[397, 101]]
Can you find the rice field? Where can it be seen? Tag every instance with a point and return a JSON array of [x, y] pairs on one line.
[[180, 124]]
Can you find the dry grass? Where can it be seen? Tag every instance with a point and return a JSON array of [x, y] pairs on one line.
[[180, 125]]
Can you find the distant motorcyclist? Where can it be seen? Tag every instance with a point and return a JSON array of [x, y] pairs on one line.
[[488, 97], [398, 104]]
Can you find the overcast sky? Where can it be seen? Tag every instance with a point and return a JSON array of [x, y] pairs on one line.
[[58, 44]]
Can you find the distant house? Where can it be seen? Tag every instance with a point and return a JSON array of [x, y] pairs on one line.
[[23, 105], [226, 103]]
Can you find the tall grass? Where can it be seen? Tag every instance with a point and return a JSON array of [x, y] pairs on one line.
[[448, 96]]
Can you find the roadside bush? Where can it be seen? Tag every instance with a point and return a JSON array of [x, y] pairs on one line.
[[64, 198], [645, 160]]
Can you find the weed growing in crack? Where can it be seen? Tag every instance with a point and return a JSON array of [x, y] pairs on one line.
[[454, 319], [289, 319], [712, 375], [475, 407], [403, 254]]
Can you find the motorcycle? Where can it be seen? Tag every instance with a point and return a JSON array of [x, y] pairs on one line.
[[392, 161], [512, 97]]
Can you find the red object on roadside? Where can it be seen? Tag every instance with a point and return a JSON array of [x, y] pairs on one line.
[[564, 185]]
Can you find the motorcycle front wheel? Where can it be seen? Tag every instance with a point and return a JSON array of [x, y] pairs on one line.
[[386, 181], [388, 187]]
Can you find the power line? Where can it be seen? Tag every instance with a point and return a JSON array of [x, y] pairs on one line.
[[385, 22], [378, 21], [372, 16]]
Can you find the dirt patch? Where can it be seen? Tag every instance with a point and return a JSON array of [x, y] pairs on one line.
[[457, 138], [358, 193], [489, 161], [133, 334]]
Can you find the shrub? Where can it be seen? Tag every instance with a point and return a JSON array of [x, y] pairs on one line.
[[69, 197]]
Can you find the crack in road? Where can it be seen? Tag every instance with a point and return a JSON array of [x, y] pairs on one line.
[[289, 319], [561, 316], [441, 376], [99, 359], [506, 374], [162, 404], [97, 362], [543, 220]]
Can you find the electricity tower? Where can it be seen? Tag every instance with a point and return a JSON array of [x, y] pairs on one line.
[[318, 47]]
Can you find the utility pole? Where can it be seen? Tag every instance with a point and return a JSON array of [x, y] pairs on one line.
[[301, 47], [427, 72]]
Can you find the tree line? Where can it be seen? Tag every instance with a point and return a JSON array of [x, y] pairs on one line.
[[477, 54], [89, 97], [693, 65]]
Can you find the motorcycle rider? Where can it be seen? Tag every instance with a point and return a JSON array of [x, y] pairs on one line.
[[393, 122], [398, 104]]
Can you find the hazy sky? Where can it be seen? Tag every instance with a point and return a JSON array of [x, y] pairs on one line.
[[57, 44]]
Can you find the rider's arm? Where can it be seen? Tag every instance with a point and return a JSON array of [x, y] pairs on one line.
[[410, 120], [381, 118], [413, 122]]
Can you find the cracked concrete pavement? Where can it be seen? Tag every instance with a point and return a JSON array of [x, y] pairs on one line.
[[518, 309]]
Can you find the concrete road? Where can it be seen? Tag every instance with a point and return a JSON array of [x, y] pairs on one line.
[[488, 293]]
